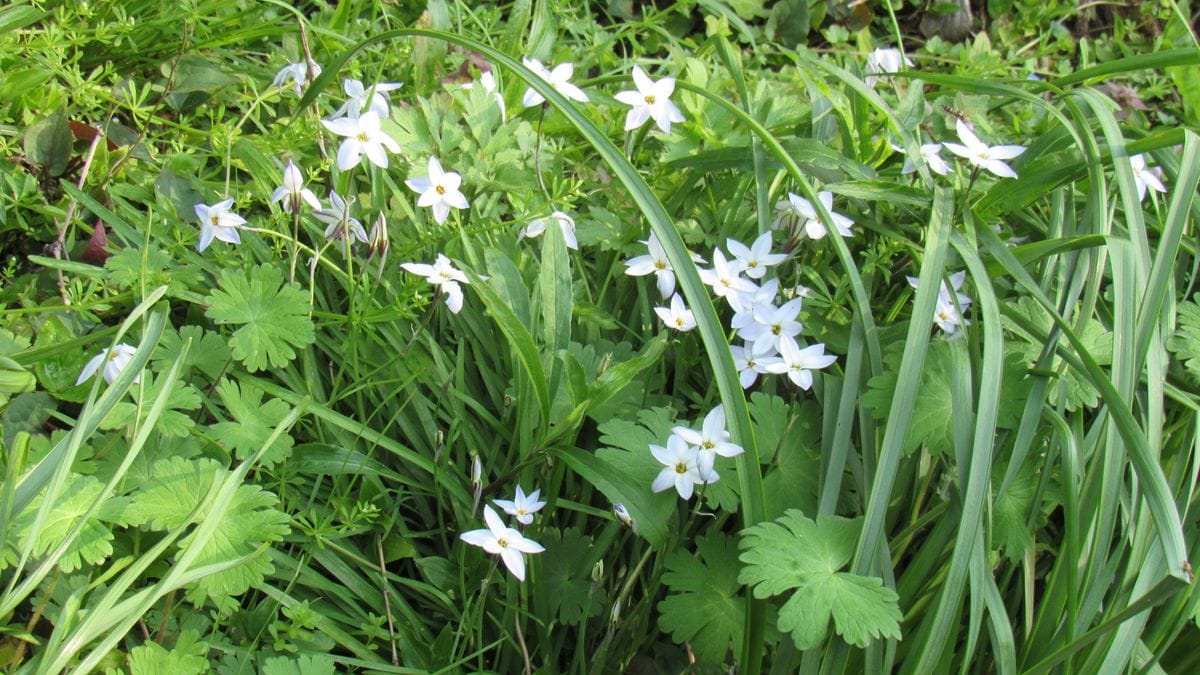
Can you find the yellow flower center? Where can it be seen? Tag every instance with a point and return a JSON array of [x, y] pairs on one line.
[[775, 330], [679, 321], [708, 445], [502, 542], [681, 468], [520, 512], [660, 265], [216, 220], [362, 137], [650, 100], [440, 190]]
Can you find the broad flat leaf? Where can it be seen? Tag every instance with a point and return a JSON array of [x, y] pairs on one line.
[[175, 488], [250, 522], [305, 664], [252, 423], [1078, 391], [1185, 343], [1010, 511], [932, 422], [207, 353], [93, 545], [176, 418], [566, 576], [48, 143], [705, 608], [273, 316], [135, 267], [168, 501], [795, 552], [187, 657]]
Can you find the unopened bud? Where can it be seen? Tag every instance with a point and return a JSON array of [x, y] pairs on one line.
[[615, 615], [622, 515], [476, 471], [598, 571], [378, 241]]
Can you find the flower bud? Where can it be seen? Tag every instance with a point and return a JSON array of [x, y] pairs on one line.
[[622, 514], [598, 571], [614, 616], [378, 241]]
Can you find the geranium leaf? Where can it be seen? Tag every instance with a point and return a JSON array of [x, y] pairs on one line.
[[273, 317], [706, 608], [795, 552], [253, 421]]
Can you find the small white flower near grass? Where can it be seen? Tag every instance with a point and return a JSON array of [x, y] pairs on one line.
[[522, 506], [113, 360], [439, 190], [559, 77], [295, 74], [982, 155], [799, 210], [361, 98], [681, 469], [651, 101], [677, 316], [293, 193], [951, 305], [443, 275], [363, 137], [1145, 178], [499, 539], [564, 222], [798, 363], [883, 61], [218, 222]]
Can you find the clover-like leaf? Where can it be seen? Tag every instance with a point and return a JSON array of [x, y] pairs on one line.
[[273, 317], [706, 608], [795, 552]]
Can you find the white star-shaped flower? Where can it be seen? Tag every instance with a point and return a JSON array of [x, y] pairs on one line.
[[931, 153], [438, 190], [712, 440], [654, 262], [559, 78], [990, 157], [293, 192], [337, 217], [362, 98], [218, 222], [363, 137], [884, 60], [652, 100], [565, 223], [757, 257], [443, 275], [500, 539], [725, 277], [750, 363], [772, 324], [799, 363], [522, 506], [677, 316], [799, 210], [681, 469], [114, 360], [296, 74], [950, 308], [1143, 177]]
